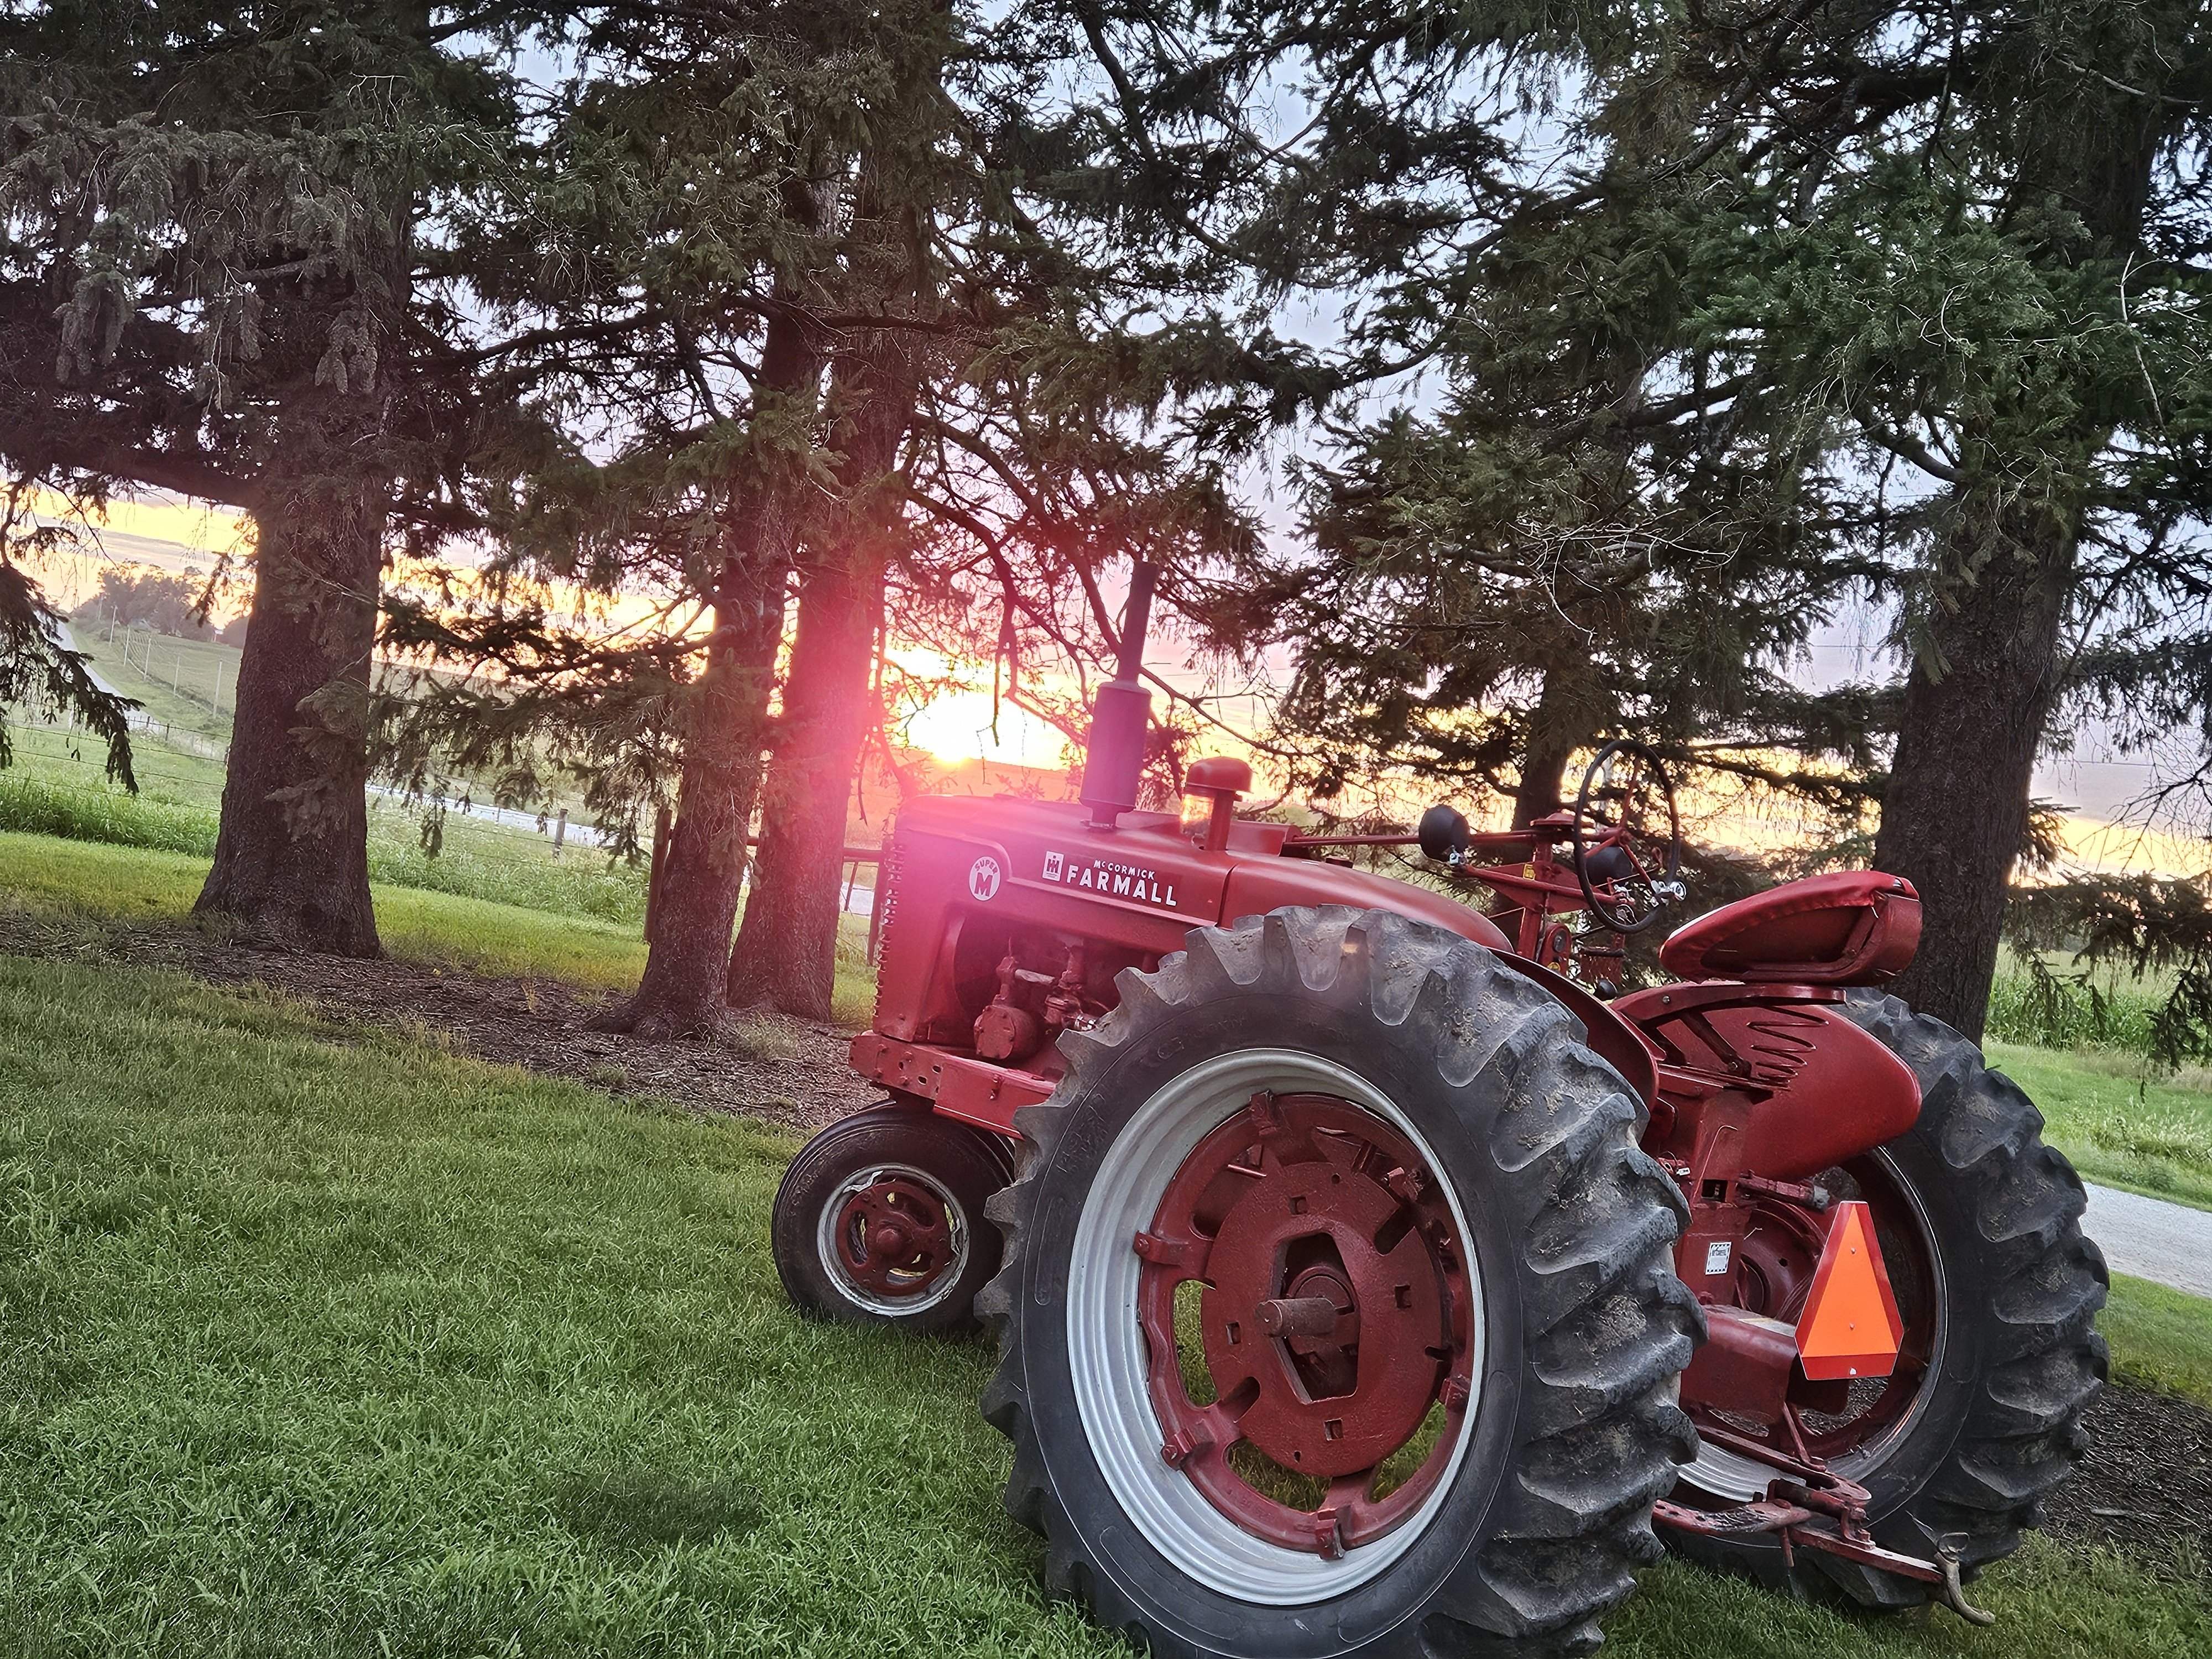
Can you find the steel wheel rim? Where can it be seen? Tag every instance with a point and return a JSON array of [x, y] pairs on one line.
[[1738, 1478], [828, 1246], [1108, 1356]]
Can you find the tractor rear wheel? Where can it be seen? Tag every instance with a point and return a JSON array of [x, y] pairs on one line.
[[879, 1220], [1980, 1224], [1339, 1315]]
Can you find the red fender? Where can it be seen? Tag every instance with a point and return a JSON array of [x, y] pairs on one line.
[[1768, 1080]]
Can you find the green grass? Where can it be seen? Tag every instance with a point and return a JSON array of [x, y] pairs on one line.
[[181, 684], [322, 1344], [31, 804], [505, 866], [2050, 1603], [74, 881], [58, 786], [2152, 1136], [82, 881], [2017, 1014], [2160, 1339], [352, 1348]]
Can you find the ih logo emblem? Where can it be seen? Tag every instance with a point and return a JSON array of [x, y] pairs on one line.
[[983, 877]]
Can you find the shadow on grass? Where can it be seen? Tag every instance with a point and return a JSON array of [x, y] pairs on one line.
[[636, 1512]]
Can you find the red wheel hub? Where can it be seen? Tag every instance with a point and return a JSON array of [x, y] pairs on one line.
[[893, 1237], [1335, 1316]]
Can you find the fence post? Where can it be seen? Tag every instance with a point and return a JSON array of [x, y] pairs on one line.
[[560, 831]]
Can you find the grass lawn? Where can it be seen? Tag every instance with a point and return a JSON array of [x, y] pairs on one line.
[[79, 882], [58, 786], [2160, 1338], [321, 1343], [88, 881], [2154, 1137]]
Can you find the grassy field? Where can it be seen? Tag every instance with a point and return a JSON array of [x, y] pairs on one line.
[[80, 883], [2148, 1135], [2160, 1339], [320, 1343], [178, 681], [88, 882], [58, 786]]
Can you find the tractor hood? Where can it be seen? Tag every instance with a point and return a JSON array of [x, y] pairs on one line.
[[1142, 885]]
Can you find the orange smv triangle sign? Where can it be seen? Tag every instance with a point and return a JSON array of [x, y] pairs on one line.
[[1850, 1326]]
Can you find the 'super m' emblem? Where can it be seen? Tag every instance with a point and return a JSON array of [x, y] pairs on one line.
[[983, 877]]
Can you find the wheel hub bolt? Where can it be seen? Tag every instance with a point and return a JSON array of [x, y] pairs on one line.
[[1298, 1315]]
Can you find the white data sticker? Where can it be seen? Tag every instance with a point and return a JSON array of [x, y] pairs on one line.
[[1716, 1258]]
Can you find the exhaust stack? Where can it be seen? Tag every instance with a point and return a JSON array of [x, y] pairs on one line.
[[1113, 753]]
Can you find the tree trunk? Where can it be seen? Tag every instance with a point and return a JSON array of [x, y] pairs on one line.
[[291, 857], [681, 993], [1985, 673], [787, 950], [1981, 688], [1560, 724]]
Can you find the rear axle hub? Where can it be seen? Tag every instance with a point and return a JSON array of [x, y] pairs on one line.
[[1366, 1376], [1333, 1321]]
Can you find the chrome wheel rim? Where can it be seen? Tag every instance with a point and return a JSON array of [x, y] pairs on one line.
[[828, 1245]]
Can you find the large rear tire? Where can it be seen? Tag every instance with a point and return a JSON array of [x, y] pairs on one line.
[[1519, 1301], [1980, 1227]]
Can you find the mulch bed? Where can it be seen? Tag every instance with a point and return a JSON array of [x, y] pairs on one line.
[[2145, 1485], [2147, 1482]]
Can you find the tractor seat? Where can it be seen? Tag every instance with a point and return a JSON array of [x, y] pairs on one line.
[[1852, 927]]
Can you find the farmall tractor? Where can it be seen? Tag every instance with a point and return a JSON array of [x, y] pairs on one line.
[[1369, 1286]]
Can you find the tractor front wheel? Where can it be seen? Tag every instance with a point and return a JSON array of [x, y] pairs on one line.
[[1338, 1314], [879, 1220]]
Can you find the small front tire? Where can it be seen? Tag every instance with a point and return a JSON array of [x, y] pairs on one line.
[[879, 1221]]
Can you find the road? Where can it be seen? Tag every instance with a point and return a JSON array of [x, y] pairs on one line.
[[2170, 1244]]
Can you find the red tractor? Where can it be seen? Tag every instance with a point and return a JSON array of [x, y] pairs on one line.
[[1369, 1286]]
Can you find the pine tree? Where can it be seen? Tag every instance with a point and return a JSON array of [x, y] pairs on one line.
[[223, 278], [1967, 246], [841, 317], [38, 669], [1949, 266]]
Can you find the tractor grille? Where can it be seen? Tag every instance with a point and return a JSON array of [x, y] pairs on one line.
[[887, 891]]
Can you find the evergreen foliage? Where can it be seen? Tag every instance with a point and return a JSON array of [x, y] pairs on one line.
[[1771, 303], [228, 270]]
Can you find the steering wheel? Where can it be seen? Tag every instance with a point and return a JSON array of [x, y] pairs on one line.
[[1628, 837]]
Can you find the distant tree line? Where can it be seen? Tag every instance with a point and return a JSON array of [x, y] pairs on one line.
[[165, 601]]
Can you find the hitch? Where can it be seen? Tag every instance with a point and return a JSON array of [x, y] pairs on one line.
[[1818, 1510]]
